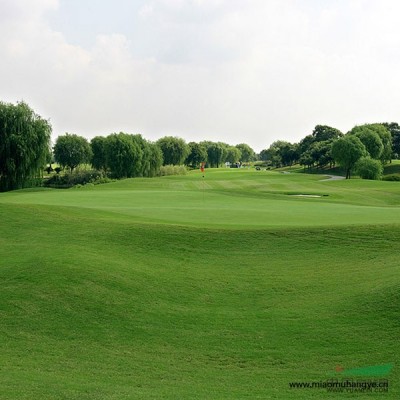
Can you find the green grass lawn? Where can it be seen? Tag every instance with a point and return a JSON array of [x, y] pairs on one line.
[[184, 288]]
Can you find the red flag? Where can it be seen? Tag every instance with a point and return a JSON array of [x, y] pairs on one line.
[[202, 166]]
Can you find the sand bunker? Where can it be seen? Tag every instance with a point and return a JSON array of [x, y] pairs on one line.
[[305, 195]]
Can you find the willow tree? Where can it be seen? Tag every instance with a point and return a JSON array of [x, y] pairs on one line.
[[24, 145], [347, 150], [370, 139], [99, 153], [246, 152], [124, 155], [174, 149]]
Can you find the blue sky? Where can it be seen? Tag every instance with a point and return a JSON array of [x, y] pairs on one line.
[[237, 71]]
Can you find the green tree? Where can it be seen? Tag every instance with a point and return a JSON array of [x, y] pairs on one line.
[[197, 154], [394, 129], [369, 168], [99, 153], [283, 153], [264, 155], [174, 149], [72, 150], [386, 138], [149, 158], [315, 148], [272, 155], [346, 151], [321, 153], [305, 144], [322, 133], [24, 145], [142, 163], [370, 139], [215, 153], [233, 155], [156, 159], [124, 155], [307, 159], [247, 153]]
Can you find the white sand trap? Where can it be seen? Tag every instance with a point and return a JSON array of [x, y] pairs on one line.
[[333, 178], [305, 195]]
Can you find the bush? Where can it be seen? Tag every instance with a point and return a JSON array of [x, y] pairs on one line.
[[173, 170], [262, 164], [77, 178], [392, 177], [369, 168]]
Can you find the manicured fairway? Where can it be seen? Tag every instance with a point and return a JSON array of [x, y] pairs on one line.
[[175, 288], [232, 199]]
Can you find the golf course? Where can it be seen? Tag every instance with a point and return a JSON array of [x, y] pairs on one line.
[[227, 286]]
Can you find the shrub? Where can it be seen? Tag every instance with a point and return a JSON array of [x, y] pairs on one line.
[[262, 164], [392, 177], [77, 178], [173, 170], [369, 168]]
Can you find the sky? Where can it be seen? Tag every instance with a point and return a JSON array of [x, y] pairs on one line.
[[237, 71]]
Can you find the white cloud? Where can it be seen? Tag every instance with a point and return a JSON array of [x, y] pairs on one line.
[[236, 71], [146, 10], [12, 10]]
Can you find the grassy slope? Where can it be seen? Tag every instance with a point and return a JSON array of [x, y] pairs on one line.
[[97, 304], [390, 168]]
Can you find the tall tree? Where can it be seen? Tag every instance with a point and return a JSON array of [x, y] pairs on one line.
[[24, 145], [394, 129], [306, 159], [315, 148], [197, 154], [156, 159], [264, 155], [282, 153], [323, 133], [72, 150], [321, 153], [174, 149], [346, 151], [272, 155], [370, 139], [99, 153], [305, 143], [124, 155], [142, 163], [233, 155], [386, 138], [215, 153], [247, 153]]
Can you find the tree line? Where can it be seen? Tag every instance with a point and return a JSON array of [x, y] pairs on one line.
[[364, 149], [125, 156], [25, 149]]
